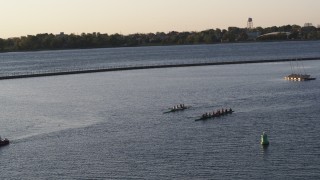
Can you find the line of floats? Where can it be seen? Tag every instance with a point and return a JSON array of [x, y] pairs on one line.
[[205, 116]]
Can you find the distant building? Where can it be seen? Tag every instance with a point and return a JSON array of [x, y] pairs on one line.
[[307, 24], [61, 34], [275, 34], [253, 35]]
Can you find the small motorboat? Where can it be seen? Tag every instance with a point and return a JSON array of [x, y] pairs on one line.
[[4, 142]]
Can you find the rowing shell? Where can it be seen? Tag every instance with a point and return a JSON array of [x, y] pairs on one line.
[[214, 116], [179, 109]]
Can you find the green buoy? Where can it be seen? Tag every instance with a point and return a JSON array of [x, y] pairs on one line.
[[264, 139]]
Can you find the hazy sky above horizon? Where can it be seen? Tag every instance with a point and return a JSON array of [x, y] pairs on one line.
[[30, 17]]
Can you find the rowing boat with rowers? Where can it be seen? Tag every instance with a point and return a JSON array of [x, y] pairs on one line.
[[176, 108], [4, 142], [213, 114]]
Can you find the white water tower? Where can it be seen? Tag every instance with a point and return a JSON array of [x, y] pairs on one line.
[[250, 23]]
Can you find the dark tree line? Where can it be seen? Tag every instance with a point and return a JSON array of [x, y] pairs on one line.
[[98, 40]]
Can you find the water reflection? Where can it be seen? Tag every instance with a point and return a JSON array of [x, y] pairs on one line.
[[264, 151]]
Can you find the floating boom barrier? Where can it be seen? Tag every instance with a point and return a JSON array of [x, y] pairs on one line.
[[58, 72]]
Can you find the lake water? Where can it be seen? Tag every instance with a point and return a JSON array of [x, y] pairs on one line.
[[21, 62], [111, 125]]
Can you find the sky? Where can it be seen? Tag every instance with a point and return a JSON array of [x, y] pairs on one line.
[[30, 17]]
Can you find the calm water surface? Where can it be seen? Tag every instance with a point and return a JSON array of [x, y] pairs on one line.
[[26, 62], [111, 125]]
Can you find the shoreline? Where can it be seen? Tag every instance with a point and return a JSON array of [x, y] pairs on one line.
[[156, 45], [84, 71]]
